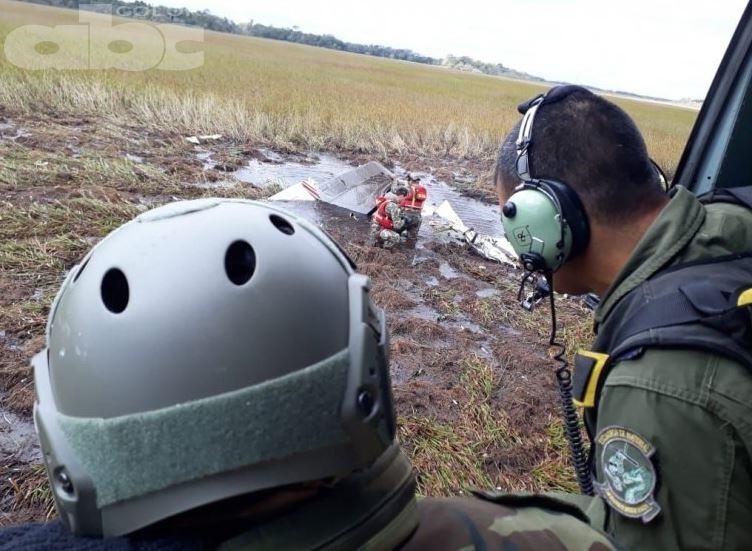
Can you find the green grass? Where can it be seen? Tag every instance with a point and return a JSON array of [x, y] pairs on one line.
[[455, 457], [295, 96], [450, 457]]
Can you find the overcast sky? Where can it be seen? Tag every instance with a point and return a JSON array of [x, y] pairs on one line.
[[666, 48]]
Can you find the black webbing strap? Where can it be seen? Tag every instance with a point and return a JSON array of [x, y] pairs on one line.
[[691, 303]]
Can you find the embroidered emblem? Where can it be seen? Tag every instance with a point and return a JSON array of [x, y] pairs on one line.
[[628, 474]]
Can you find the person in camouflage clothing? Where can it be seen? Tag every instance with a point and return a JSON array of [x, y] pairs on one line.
[[174, 414], [389, 221], [490, 522], [395, 235], [668, 416]]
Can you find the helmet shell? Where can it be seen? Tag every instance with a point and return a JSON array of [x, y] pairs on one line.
[[185, 326], [196, 301]]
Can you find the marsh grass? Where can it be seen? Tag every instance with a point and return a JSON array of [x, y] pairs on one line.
[[450, 457], [292, 96], [24, 490], [455, 457]]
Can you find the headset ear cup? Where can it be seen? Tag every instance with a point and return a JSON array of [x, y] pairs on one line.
[[574, 215], [531, 220], [568, 216]]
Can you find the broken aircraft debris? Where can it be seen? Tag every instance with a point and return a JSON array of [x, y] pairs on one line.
[[355, 190], [497, 249], [358, 190]]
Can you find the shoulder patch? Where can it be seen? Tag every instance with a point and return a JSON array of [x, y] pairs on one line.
[[629, 476]]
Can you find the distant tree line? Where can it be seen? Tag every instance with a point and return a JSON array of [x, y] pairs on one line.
[[333, 43], [209, 21], [152, 12], [468, 64]]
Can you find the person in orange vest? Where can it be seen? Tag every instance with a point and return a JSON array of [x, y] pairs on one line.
[[412, 203], [389, 222]]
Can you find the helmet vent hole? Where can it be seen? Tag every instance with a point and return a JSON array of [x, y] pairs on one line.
[[115, 292], [282, 225], [240, 262]]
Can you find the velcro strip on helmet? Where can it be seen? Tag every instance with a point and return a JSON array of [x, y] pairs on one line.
[[133, 455]]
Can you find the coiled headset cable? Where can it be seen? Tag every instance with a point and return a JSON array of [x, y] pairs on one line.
[[564, 380]]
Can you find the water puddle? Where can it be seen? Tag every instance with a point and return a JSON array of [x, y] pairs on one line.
[[12, 345], [429, 313], [275, 171], [447, 272], [464, 325], [487, 293], [205, 156], [18, 439], [134, 158], [9, 131]]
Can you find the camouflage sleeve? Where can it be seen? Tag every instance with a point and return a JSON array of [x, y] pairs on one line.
[[465, 523], [395, 213]]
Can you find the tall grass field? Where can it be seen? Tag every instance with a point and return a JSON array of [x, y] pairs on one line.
[[296, 96]]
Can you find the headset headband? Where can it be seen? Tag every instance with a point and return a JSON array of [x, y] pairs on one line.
[[525, 137], [529, 109]]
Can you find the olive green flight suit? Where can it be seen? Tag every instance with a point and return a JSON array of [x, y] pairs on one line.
[[693, 407]]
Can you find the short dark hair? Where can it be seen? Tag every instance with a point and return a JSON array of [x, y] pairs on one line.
[[593, 146]]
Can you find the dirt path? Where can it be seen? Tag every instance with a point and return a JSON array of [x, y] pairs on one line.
[[474, 388]]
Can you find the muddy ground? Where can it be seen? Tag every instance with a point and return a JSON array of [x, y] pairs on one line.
[[473, 383]]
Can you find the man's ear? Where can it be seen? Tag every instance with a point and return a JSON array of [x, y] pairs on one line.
[[502, 190]]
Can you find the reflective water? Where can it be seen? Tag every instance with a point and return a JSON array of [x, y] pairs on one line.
[[285, 174], [476, 215], [18, 440]]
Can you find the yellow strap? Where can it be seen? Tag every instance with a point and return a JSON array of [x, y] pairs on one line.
[[595, 375], [745, 299]]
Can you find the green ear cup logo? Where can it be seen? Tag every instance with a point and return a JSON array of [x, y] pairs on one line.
[[628, 477], [522, 236]]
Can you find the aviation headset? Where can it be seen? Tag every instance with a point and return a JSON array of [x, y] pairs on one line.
[[544, 219], [546, 224]]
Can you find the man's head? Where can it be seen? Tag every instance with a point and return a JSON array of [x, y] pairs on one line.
[[206, 350], [591, 145], [400, 187]]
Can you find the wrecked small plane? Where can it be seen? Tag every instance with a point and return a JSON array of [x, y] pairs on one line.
[[358, 190], [355, 190], [498, 249]]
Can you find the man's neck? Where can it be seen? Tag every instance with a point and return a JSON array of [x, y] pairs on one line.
[[611, 247]]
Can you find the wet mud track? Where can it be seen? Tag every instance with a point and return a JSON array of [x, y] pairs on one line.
[[474, 387], [449, 309]]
